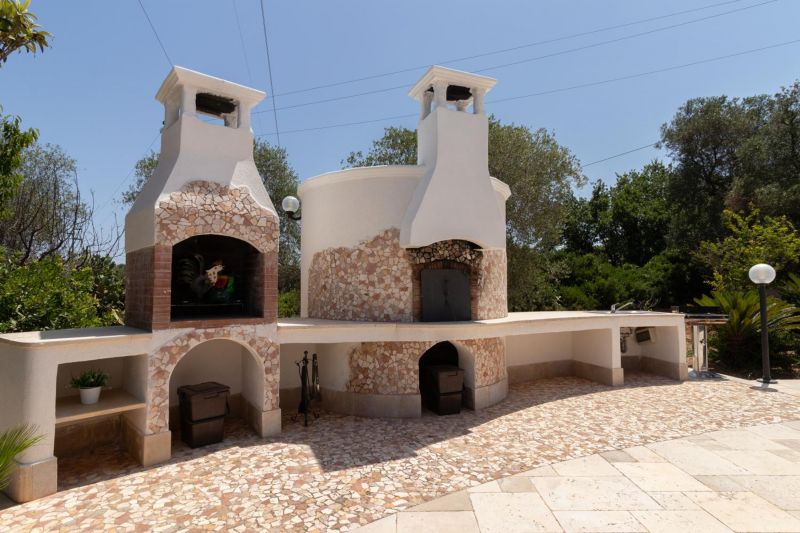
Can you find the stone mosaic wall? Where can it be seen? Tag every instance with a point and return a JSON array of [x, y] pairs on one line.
[[378, 281], [163, 361], [393, 367], [490, 360], [368, 282], [207, 207], [386, 367], [492, 285]]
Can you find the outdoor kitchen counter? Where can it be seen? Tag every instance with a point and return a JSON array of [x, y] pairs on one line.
[[313, 330]]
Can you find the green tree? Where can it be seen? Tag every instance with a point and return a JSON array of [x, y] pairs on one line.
[[398, 146], [636, 223], [13, 142], [47, 216], [18, 30], [752, 239]]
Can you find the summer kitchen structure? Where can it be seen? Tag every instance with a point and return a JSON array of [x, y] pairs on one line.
[[400, 264]]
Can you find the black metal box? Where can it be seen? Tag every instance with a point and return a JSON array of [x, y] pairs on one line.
[[202, 409], [203, 401], [208, 431], [445, 404], [443, 379]]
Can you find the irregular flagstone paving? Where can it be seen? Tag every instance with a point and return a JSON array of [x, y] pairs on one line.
[[342, 471], [707, 483]]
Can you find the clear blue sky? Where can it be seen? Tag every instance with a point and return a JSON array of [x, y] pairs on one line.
[[92, 92]]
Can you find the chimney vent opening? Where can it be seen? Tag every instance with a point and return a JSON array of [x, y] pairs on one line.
[[219, 107]]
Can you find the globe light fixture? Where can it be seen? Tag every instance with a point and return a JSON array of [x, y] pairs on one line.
[[291, 206], [762, 275]]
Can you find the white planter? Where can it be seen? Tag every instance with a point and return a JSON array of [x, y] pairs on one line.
[[90, 395]]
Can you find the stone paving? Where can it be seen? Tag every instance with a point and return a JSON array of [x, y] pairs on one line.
[[730, 480], [343, 472]]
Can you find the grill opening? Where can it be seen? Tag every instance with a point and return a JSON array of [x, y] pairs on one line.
[[214, 277], [445, 295]]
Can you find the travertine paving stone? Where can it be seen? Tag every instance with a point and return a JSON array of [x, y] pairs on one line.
[[599, 521], [342, 472]]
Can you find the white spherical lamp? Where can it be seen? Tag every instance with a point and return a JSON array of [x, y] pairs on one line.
[[762, 274], [290, 204]]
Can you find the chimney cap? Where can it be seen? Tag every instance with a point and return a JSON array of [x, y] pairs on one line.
[[180, 76], [452, 77]]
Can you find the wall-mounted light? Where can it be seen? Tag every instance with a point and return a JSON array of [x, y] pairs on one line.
[[291, 206], [762, 275]]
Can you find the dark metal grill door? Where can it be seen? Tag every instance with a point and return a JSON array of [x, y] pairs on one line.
[[445, 295]]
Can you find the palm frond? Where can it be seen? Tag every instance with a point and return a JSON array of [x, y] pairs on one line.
[[14, 441]]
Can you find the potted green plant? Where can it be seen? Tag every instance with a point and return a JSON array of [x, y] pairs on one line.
[[90, 383]]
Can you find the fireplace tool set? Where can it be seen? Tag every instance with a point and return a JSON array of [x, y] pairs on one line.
[[309, 387]]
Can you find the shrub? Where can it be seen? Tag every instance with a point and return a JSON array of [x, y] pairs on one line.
[[289, 304], [737, 341]]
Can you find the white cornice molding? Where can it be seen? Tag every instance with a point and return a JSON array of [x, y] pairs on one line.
[[451, 77], [184, 76]]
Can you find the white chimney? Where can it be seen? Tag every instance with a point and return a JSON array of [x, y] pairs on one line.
[[455, 198], [193, 149]]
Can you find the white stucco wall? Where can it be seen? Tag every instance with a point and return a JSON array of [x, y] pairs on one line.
[[597, 347], [215, 360], [540, 348]]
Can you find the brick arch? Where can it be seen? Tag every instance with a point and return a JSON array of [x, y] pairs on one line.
[[165, 358]]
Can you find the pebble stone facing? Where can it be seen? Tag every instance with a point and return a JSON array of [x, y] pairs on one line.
[[373, 280], [490, 359], [206, 207], [342, 471], [393, 367], [164, 360], [386, 367]]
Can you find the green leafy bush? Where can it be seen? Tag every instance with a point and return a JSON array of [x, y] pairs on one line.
[[88, 379], [46, 294], [289, 304], [737, 342], [13, 442]]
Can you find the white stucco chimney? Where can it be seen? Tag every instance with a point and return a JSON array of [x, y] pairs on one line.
[[193, 149], [455, 198]]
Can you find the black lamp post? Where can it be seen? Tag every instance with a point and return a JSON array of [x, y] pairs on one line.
[[762, 275]]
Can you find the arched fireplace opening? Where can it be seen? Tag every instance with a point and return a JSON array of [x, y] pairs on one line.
[[215, 277], [441, 381]]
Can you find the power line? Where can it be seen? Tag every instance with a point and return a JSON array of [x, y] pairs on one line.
[[511, 49], [531, 59], [152, 27], [269, 70], [343, 124], [646, 73], [241, 41], [620, 154], [568, 88], [624, 38], [130, 173]]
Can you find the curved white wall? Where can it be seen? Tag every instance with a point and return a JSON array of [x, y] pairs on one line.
[[346, 207]]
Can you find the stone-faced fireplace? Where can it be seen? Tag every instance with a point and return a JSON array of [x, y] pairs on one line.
[[202, 236]]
